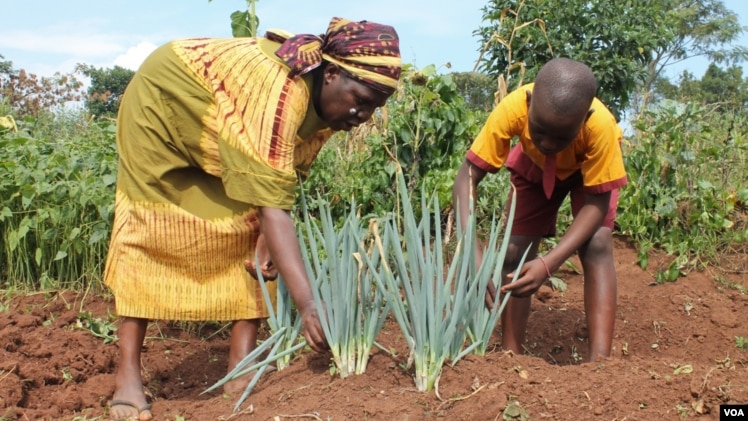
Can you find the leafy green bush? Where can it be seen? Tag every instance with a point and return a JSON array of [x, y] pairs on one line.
[[685, 193], [426, 129], [56, 202]]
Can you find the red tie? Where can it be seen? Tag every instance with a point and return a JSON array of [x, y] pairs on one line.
[[549, 175]]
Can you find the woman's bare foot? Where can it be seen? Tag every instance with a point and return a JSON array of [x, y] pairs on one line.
[[238, 385], [243, 341]]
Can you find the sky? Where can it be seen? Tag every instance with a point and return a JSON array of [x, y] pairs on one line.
[[47, 36]]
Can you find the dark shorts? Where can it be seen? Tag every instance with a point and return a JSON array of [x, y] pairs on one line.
[[536, 215]]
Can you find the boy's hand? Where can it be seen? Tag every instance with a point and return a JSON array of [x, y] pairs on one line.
[[312, 328], [531, 278]]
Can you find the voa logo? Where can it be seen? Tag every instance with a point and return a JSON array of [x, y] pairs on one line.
[[733, 412]]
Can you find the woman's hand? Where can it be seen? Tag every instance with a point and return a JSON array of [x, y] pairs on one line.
[[282, 244], [311, 328], [490, 294], [267, 267]]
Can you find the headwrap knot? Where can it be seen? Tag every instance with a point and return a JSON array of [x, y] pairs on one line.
[[369, 51]]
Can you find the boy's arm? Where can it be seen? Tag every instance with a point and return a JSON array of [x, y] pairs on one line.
[[465, 192], [465, 189], [586, 223]]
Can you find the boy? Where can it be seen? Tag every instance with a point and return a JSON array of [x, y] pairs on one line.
[[569, 143]]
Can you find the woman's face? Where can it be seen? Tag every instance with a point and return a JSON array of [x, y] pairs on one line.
[[340, 94]]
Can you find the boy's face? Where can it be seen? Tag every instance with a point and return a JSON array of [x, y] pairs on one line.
[[550, 132]]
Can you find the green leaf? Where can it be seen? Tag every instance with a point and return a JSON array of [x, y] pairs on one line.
[[109, 179], [240, 24], [558, 283], [74, 233], [5, 213]]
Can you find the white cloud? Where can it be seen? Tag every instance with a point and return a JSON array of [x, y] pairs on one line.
[[133, 58], [51, 41]]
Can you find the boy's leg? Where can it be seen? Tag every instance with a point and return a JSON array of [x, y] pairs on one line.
[[600, 284], [535, 217], [243, 341], [517, 311], [128, 385], [600, 291]]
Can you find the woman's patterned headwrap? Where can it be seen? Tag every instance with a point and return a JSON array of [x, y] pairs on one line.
[[369, 51]]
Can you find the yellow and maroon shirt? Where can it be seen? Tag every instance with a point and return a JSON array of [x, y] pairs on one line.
[[596, 150]]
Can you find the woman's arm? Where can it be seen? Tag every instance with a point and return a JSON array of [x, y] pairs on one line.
[[283, 245]]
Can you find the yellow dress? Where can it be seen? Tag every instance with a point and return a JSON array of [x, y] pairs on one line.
[[208, 131]]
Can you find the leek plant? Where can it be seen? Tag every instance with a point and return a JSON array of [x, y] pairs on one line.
[[435, 308], [352, 310], [282, 316], [429, 304], [250, 364], [482, 320], [285, 338]]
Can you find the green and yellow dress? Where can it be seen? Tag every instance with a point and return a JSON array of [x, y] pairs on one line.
[[208, 131]]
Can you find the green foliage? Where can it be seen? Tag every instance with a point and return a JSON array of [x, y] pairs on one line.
[[725, 88], [352, 310], [695, 28], [425, 128], [282, 316], [104, 329], [420, 291], [244, 23], [615, 39], [250, 364], [56, 203], [685, 193], [477, 89], [437, 299], [741, 342], [106, 89]]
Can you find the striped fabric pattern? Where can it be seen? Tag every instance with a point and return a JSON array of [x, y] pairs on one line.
[[172, 265], [196, 110], [259, 120]]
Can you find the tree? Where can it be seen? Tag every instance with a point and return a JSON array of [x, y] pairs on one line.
[[700, 28], [616, 39], [106, 89], [725, 88], [28, 94], [476, 88]]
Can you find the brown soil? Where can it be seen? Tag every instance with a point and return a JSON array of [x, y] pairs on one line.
[[675, 357]]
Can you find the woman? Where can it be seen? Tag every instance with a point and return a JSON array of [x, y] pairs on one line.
[[211, 135]]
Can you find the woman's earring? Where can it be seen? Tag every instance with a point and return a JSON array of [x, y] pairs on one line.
[[353, 111]]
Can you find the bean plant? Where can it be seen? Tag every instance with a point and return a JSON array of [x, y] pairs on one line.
[[687, 192], [56, 202]]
